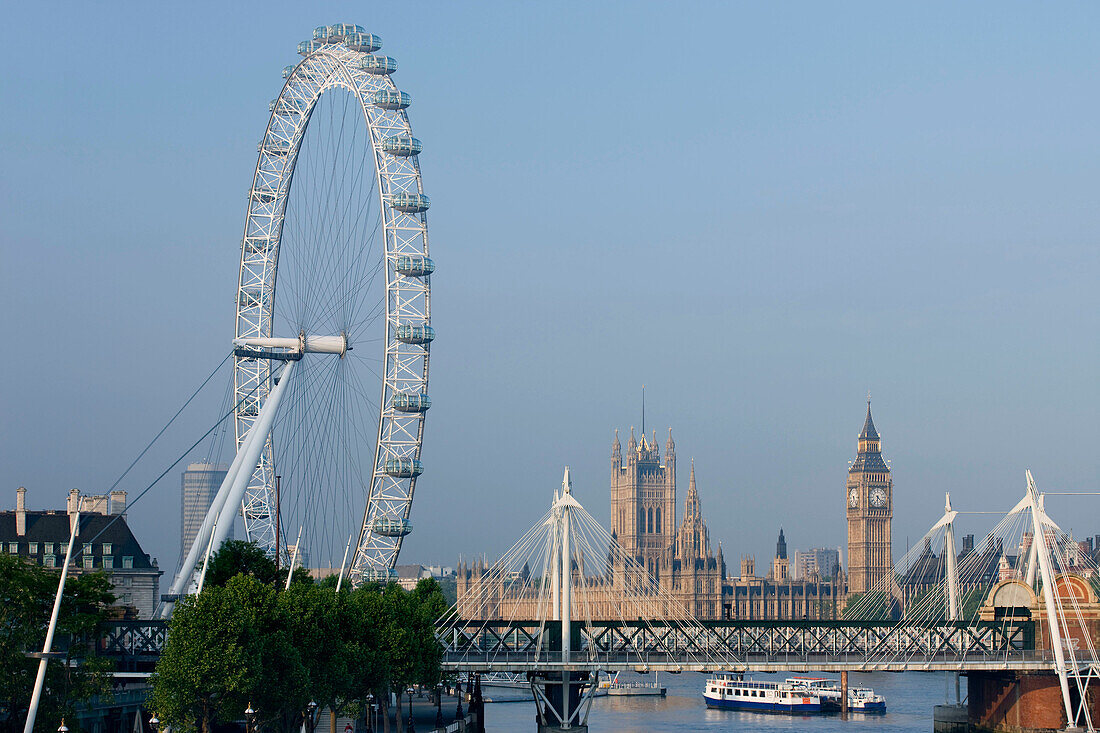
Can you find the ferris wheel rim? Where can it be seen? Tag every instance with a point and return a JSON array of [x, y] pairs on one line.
[[401, 205]]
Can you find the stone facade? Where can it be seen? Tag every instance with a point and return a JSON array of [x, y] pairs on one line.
[[679, 557], [869, 495]]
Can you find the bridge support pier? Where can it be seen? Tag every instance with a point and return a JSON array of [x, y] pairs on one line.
[[1019, 702], [562, 700]]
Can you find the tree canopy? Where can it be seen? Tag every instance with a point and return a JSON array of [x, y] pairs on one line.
[[27, 594], [246, 641]]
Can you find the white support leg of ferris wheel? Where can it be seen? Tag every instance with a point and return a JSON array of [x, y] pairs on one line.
[[213, 532], [257, 439], [1047, 574]]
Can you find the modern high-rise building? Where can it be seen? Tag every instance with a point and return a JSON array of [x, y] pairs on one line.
[[870, 498], [199, 484], [823, 562]]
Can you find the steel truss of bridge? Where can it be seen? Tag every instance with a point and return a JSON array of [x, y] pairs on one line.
[[832, 646]]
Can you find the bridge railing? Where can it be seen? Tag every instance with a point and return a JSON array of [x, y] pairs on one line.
[[740, 644]]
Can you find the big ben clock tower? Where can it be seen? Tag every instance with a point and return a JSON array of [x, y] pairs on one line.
[[870, 501]]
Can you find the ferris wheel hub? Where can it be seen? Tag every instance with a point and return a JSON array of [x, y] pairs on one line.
[[302, 344]]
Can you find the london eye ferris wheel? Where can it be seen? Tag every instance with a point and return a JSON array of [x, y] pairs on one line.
[[335, 285]]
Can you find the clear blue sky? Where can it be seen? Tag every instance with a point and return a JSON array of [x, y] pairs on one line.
[[759, 211]]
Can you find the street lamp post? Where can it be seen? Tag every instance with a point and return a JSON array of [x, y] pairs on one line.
[[154, 723], [458, 694], [438, 704], [249, 719], [370, 712], [312, 707], [411, 728]]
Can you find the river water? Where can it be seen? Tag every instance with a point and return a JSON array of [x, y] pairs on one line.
[[910, 697]]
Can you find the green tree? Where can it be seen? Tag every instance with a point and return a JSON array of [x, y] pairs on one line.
[[872, 605], [249, 642], [239, 557], [227, 648], [27, 593]]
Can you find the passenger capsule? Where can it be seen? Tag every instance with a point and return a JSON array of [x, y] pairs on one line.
[[320, 33], [407, 333], [403, 467], [273, 147], [263, 195], [254, 245], [340, 31], [402, 146], [403, 402], [363, 42], [379, 575], [287, 71], [391, 527], [378, 65], [250, 298], [414, 265], [305, 48], [391, 100], [281, 110], [410, 203]]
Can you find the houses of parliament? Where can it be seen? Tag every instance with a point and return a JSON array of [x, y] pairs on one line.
[[681, 559]]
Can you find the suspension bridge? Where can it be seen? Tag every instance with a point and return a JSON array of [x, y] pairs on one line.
[[565, 605]]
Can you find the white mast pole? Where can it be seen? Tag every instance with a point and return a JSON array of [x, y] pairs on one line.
[[566, 594], [340, 580], [206, 561], [36, 696], [1048, 595], [952, 570], [293, 559], [555, 563]]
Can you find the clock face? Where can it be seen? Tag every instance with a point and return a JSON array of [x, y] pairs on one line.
[[853, 497], [878, 498]]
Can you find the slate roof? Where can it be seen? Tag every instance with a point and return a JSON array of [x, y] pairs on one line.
[[53, 526]]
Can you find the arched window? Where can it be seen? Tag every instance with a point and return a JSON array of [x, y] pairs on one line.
[[657, 523], [641, 520], [649, 520]]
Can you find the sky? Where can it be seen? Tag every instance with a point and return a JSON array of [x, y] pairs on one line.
[[761, 212]]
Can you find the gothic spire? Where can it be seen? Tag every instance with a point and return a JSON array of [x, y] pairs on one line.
[[616, 447], [691, 503], [868, 432], [670, 445]]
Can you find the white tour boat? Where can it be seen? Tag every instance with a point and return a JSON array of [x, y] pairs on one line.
[[860, 699], [728, 690]]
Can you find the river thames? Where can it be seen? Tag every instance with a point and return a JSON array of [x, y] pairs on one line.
[[910, 697]]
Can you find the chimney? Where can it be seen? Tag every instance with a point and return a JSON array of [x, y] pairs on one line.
[[72, 506], [118, 502], [20, 511]]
